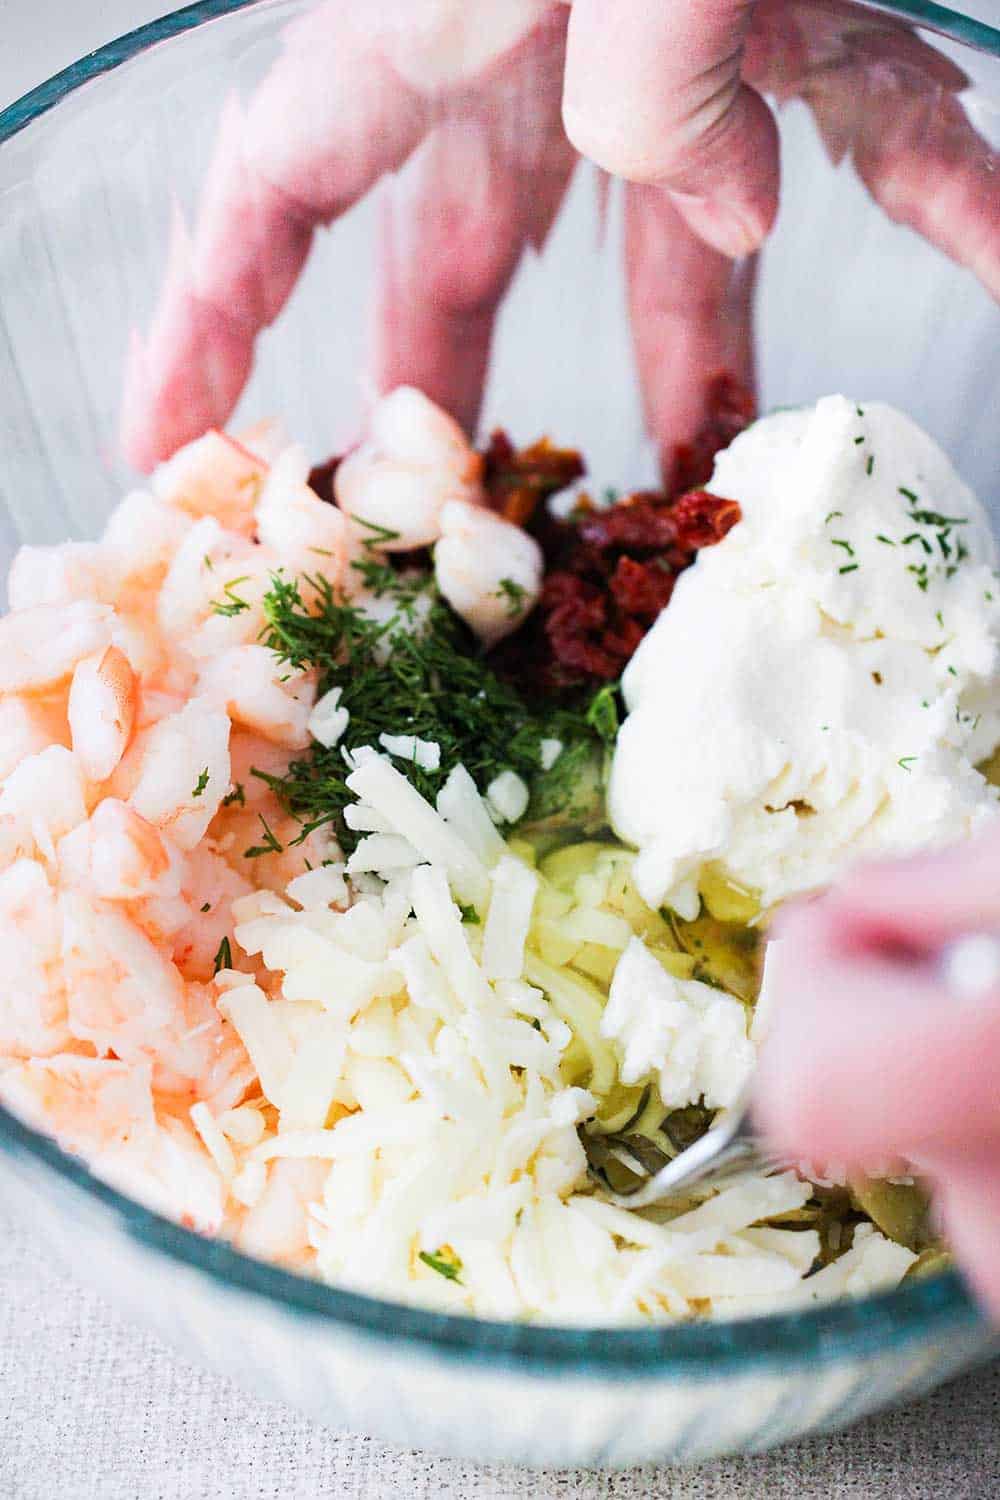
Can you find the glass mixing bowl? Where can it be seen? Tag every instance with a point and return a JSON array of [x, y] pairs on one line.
[[93, 165]]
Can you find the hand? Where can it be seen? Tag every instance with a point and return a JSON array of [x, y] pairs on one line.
[[489, 98], [868, 1057]]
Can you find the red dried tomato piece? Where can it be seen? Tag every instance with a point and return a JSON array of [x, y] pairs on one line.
[[321, 479], [729, 408], [642, 589], [516, 481], [702, 519]]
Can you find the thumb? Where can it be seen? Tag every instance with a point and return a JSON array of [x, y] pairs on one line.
[[653, 93]]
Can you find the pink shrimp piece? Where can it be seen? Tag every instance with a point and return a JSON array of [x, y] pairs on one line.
[[64, 574], [259, 691], [89, 1103], [277, 1227], [27, 726], [210, 887], [182, 772], [40, 646], [43, 799], [309, 536], [213, 476], [102, 699], [32, 997]]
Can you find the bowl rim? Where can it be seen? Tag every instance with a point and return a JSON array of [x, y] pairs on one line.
[[24, 111], [938, 1307]]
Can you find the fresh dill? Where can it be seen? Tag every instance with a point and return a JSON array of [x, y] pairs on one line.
[[231, 604], [836, 541], [848, 568], [207, 906], [201, 783], [514, 595], [906, 761], [887, 540], [377, 535], [449, 1268], [470, 915], [237, 795], [271, 845], [870, 465], [224, 956], [420, 671], [830, 515]]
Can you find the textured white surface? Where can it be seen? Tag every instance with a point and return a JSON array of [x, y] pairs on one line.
[[92, 1410]]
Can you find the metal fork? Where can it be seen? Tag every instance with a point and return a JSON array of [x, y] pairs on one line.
[[968, 967]]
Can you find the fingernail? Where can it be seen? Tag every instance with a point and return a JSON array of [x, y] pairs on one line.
[[735, 229]]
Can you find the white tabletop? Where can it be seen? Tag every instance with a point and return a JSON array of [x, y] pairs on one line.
[[90, 1409]]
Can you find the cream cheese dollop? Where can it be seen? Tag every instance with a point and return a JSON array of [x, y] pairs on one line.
[[825, 679]]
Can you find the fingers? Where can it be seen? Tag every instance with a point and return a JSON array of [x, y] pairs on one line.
[[879, 93], [487, 182], [967, 1197], [867, 1056], [653, 93], [328, 120], [690, 311], [921, 902]]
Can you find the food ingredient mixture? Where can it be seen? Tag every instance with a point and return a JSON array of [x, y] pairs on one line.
[[317, 936]]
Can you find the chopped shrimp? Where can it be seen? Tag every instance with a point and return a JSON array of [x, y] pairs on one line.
[[489, 570], [65, 574], [101, 711], [181, 772], [40, 646], [172, 1174], [397, 482], [141, 536], [308, 535], [90, 1102], [27, 725], [119, 856], [277, 1227], [32, 996], [212, 567], [210, 887], [266, 440], [213, 476], [262, 693], [41, 800], [249, 752]]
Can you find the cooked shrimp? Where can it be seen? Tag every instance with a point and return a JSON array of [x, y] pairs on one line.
[[308, 535], [213, 570], [91, 1102], [397, 482], [213, 476], [40, 646], [60, 575], [102, 699], [277, 1227], [210, 886], [27, 725], [32, 996], [140, 538], [259, 691], [43, 799], [181, 772], [489, 570]]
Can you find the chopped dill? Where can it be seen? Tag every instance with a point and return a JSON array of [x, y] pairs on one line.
[[207, 562], [224, 956], [908, 494], [848, 568], [830, 515], [881, 537], [378, 535], [839, 542], [423, 673], [870, 465], [916, 536], [270, 845], [470, 915], [940, 618], [859, 440], [953, 671], [237, 795], [906, 761], [232, 604], [201, 783], [450, 1267], [207, 906], [515, 596]]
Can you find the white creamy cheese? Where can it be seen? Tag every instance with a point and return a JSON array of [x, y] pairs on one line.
[[826, 677], [693, 1036]]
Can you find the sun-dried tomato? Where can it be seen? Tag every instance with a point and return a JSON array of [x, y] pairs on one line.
[[516, 481], [729, 408], [321, 479], [609, 573]]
